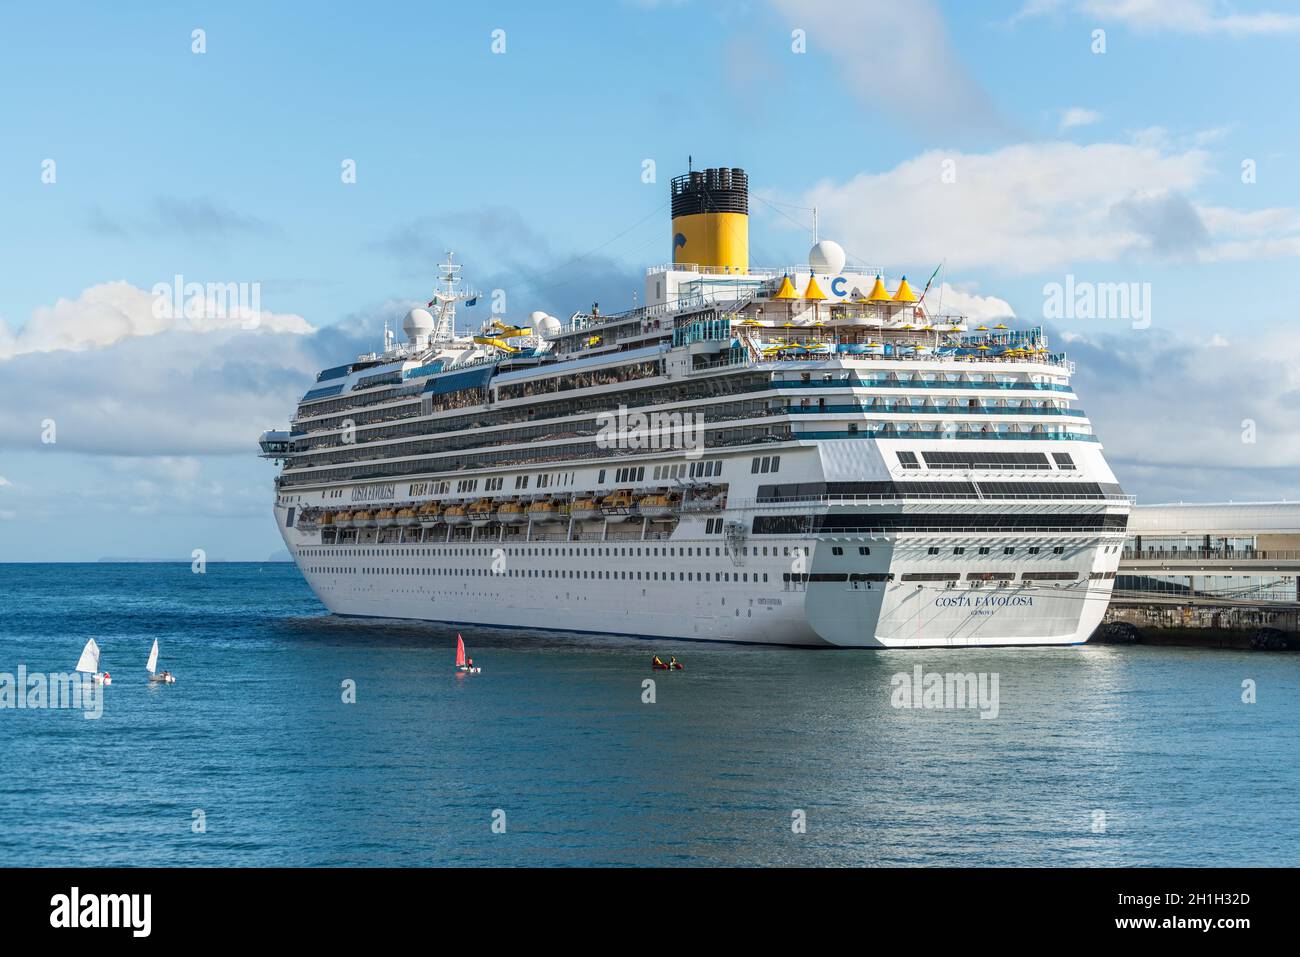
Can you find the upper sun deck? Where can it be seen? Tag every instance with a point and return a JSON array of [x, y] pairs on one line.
[[795, 311], [696, 319]]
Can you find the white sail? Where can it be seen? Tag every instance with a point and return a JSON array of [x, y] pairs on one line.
[[89, 662], [152, 666]]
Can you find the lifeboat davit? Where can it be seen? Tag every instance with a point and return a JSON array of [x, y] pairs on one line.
[[658, 506], [455, 515], [343, 519], [428, 515], [617, 507], [363, 519], [544, 512], [585, 509], [480, 513], [511, 513], [326, 518], [385, 518]]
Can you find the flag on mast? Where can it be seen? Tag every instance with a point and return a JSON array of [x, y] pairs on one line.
[[930, 280]]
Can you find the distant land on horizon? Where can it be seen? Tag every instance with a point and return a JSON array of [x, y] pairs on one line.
[[280, 556]]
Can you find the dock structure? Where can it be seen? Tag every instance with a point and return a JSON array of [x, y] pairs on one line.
[[1225, 574]]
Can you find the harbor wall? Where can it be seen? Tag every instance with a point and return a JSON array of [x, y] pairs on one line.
[[1195, 626]]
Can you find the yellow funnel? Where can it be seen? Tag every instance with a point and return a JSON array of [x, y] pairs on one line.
[[711, 220]]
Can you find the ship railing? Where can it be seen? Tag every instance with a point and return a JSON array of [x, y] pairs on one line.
[[1212, 554], [818, 360], [955, 411], [826, 499], [586, 321], [944, 434], [880, 530], [860, 383], [762, 272]]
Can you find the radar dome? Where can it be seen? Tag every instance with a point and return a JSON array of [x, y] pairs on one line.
[[545, 324], [418, 322], [827, 257]]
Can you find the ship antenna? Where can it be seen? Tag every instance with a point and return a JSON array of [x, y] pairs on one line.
[[445, 299]]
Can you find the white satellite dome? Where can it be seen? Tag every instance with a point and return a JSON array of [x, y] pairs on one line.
[[827, 258], [418, 323], [544, 324]]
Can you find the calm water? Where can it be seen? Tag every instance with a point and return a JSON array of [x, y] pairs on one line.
[[554, 733]]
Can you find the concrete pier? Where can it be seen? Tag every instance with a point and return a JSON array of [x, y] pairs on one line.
[[1218, 575]]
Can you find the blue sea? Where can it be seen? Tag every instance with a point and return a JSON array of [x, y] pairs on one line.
[[751, 756]]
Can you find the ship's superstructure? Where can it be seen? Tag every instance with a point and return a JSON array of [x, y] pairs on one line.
[[809, 455]]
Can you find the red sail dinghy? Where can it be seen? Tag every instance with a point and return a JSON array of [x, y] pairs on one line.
[[463, 664]]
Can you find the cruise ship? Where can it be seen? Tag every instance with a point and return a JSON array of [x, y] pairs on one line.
[[810, 455]]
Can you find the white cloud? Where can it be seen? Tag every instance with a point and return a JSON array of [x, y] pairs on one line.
[[1173, 16], [976, 308], [4, 481], [1177, 408], [1078, 116], [896, 57], [117, 379], [112, 311], [1036, 206], [168, 468]]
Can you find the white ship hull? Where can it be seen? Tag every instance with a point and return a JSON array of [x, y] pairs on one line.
[[489, 584]]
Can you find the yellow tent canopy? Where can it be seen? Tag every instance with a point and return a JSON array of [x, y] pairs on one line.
[[904, 292], [878, 292], [813, 291], [787, 289]]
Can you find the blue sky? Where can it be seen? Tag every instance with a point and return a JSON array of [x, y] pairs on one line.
[[224, 166]]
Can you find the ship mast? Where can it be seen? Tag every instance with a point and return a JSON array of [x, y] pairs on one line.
[[445, 299]]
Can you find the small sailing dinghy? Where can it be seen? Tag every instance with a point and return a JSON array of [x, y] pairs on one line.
[[164, 677], [463, 664], [89, 664]]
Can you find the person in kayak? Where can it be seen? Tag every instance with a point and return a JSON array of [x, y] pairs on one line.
[[658, 662], [673, 663]]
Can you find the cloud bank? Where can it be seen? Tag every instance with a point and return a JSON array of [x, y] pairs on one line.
[[1043, 206]]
